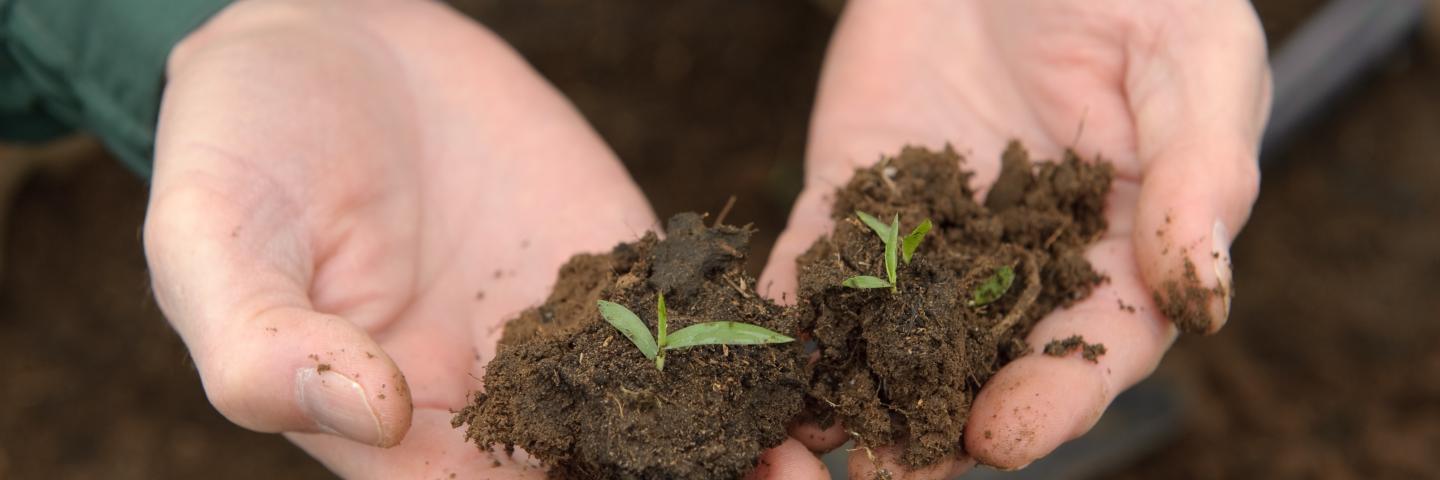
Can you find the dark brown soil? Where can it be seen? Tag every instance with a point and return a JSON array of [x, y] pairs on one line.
[[1186, 302], [1088, 351], [903, 368], [572, 391], [1342, 249]]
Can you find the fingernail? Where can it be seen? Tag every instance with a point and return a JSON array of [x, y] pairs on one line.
[[1220, 238], [337, 404]]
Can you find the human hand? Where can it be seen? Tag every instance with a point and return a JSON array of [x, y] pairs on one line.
[[1174, 92], [348, 190]]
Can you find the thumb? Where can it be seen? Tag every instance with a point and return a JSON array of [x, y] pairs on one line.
[[1199, 98], [232, 275]]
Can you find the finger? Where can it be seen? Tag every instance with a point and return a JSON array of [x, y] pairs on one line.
[[1200, 93], [819, 439], [866, 464], [1037, 402], [233, 277], [809, 221], [790, 460], [432, 450]]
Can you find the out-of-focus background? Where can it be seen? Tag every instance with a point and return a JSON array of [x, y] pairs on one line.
[[1329, 369]]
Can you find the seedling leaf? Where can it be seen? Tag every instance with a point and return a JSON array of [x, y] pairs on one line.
[[660, 325], [630, 325], [875, 224], [995, 287], [660, 329], [912, 241], [892, 243], [865, 281], [724, 333]]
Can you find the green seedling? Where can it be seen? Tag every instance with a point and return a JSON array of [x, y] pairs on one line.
[[708, 333], [890, 236], [994, 287]]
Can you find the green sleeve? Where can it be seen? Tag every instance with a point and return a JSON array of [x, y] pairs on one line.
[[97, 65]]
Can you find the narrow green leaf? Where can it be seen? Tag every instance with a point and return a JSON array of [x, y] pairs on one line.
[[627, 323], [912, 241], [875, 224], [995, 287], [891, 245], [660, 326], [724, 333], [865, 281]]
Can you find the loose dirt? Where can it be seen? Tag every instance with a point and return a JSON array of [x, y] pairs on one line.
[[572, 391], [1088, 351], [903, 368]]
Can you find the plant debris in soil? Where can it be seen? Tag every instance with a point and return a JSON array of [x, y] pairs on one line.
[[903, 368], [1088, 351], [575, 393]]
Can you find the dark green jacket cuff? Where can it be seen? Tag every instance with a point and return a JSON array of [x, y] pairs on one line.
[[97, 65]]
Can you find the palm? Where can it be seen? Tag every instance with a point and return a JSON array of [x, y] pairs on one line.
[[1056, 75], [1049, 80], [497, 218], [425, 200]]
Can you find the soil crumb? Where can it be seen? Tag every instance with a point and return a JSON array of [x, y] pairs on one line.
[[902, 368], [575, 393], [1187, 303], [1089, 351]]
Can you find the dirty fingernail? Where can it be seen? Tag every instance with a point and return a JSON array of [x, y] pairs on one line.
[[1220, 238], [337, 404]]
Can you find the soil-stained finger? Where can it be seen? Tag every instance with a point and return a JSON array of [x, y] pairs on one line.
[[1037, 402], [790, 460], [865, 464]]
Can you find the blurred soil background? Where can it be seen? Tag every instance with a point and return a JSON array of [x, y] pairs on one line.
[[1329, 369]]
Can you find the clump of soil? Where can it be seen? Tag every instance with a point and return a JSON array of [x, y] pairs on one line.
[[902, 368], [575, 393], [1187, 303], [1088, 351]]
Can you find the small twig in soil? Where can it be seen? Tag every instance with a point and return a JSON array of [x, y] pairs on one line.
[[1054, 236], [729, 250], [724, 211], [1027, 298], [880, 472], [730, 282], [620, 405]]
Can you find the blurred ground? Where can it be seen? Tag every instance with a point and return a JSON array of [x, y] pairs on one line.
[[1330, 369]]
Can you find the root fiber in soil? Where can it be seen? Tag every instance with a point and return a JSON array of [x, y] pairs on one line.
[[575, 393], [902, 368]]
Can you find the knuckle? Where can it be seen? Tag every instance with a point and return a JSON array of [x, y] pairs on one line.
[[229, 391]]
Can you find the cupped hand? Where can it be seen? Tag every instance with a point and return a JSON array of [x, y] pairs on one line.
[[349, 198], [1175, 93]]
